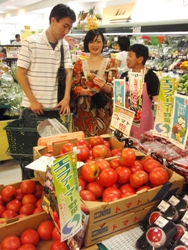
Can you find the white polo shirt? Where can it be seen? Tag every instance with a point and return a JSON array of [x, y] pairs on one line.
[[42, 62]]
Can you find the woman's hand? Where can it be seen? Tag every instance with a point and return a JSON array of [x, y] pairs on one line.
[[99, 81], [87, 92]]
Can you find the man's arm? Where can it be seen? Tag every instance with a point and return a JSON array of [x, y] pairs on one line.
[[35, 106], [64, 104]]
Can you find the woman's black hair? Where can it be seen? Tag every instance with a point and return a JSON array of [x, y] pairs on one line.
[[140, 50], [61, 11], [123, 42], [92, 35]]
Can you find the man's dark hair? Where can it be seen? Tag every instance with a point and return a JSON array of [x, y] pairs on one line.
[[123, 42], [92, 35], [140, 50], [61, 11], [17, 35]]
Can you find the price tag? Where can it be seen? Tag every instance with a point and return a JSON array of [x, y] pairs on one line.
[[163, 206], [185, 218], [184, 238], [161, 221], [179, 71], [122, 119], [184, 57], [174, 201], [186, 198]]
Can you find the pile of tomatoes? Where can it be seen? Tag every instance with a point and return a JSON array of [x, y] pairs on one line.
[[22, 201], [30, 238], [119, 177]]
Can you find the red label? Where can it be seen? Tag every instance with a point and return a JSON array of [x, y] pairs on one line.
[[128, 205], [136, 219], [117, 209], [114, 227], [125, 222], [139, 202]]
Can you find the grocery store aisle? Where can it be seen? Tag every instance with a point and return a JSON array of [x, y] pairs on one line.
[[10, 172]]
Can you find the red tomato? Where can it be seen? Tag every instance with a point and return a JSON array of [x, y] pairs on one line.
[[57, 245], [2, 209], [8, 193], [102, 163], [39, 191], [27, 247], [116, 151], [55, 234], [90, 171], [87, 195], [14, 205], [45, 230], [114, 163], [29, 198], [128, 157], [55, 216], [146, 187], [8, 214], [19, 194], [123, 174], [108, 177], [145, 158], [129, 193], [125, 188], [96, 188], [110, 197], [82, 184], [48, 154], [27, 209], [111, 190], [38, 210], [158, 176], [151, 164], [107, 144], [139, 178], [67, 147], [29, 236], [99, 151], [96, 140], [84, 153], [11, 242], [28, 187], [136, 166], [39, 203], [83, 142]]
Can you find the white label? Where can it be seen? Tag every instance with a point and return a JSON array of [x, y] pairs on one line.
[[163, 206], [186, 198], [184, 238], [136, 29], [174, 201], [161, 221], [185, 218]]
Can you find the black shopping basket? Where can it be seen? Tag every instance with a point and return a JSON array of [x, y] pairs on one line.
[[22, 135]]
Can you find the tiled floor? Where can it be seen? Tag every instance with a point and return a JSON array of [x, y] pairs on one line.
[[10, 172]]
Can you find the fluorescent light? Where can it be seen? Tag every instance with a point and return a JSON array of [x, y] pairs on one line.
[[11, 7], [1, 12]]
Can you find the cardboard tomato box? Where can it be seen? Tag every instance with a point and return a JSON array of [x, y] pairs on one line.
[[17, 226], [107, 229]]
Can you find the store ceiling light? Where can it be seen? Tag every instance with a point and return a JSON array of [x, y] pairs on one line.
[[11, 7]]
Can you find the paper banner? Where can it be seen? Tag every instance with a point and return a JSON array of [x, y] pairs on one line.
[[179, 124], [122, 120], [65, 177], [119, 92], [164, 107]]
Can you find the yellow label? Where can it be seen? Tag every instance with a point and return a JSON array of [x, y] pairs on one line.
[[92, 23]]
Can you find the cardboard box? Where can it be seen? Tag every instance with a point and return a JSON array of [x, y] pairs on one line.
[[19, 225], [100, 212], [110, 228]]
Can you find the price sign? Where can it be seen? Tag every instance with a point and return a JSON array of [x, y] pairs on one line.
[[122, 120]]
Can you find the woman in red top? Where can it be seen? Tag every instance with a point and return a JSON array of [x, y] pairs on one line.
[[93, 104]]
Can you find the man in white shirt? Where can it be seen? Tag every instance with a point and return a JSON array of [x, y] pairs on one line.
[[39, 60], [17, 41]]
